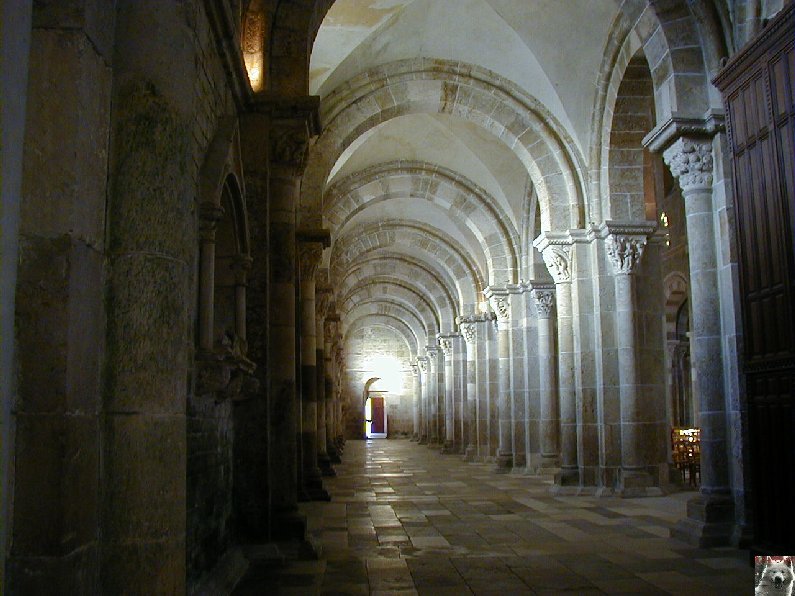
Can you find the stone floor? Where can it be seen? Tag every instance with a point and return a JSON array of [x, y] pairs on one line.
[[406, 520]]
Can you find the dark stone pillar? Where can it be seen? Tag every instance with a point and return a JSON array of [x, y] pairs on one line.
[[294, 120], [310, 251], [153, 246], [54, 475]]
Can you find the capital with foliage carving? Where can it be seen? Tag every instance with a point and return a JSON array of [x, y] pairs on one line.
[[544, 301], [691, 162], [423, 363], [446, 345], [469, 331]]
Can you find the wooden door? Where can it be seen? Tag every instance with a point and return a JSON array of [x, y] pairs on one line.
[[377, 425], [757, 86]]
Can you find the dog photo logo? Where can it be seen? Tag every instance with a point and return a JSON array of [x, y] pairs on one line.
[[774, 575]]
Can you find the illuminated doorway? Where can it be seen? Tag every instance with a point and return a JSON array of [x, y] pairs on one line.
[[375, 417]]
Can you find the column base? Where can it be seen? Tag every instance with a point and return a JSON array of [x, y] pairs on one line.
[[566, 482], [548, 465], [634, 484], [333, 454], [288, 525], [503, 462], [326, 469], [448, 448], [709, 522], [471, 453], [312, 489]]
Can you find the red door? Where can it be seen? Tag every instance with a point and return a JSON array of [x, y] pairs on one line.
[[377, 410]]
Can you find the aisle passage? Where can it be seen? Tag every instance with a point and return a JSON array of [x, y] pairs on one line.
[[406, 520]]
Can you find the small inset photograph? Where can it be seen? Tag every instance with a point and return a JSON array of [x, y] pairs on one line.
[[774, 575]]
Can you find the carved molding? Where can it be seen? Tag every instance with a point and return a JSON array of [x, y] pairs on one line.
[[625, 252], [691, 162], [544, 301]]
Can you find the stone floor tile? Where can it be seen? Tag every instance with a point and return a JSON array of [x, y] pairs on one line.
[[405, 519]]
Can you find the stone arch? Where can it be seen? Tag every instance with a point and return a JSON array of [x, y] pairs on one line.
[[403, 286], [668, 38], [628, 176], [469, 92], [386, 319], [409, 299], [444, 252], [443, 187], [407, 271]]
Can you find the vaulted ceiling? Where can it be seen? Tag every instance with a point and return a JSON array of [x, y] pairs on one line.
[[430, 202]]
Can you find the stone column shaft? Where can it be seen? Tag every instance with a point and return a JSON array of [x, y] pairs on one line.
[[310, 254], [449, 381], [549, 417], [625, 253], [557, 257], [468, 328], [501, 305], [710, 517]]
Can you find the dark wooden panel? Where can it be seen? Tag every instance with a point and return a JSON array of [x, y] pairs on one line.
[[757, 86]]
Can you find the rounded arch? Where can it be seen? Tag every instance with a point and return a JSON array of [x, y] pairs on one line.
[[453, 193], [393, 286], [466, 91], [408, 271], [394, 311], [443, 252], [391, 293], [668, 36], [385, 320]]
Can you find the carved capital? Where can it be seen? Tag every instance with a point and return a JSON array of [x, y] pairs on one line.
[[544, 301], [691, 162], [557, 258], [289, 148], [323, 298], [625, 252], [469, 331], [209, 216], [446, 344], [415, 370], [309, 255], [501, 306], [423, 363]]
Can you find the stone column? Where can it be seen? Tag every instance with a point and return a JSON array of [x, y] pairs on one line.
[[55, 111], [624, 247], [152, 256], [290, 132], [500, 302], [330, 331], [310, 252], [415, 371], [446, 344], [549, 414], [15, 22], [424, 418], [322, 302], [433, 394], [557, 257], [468, 327], [711, 515]]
